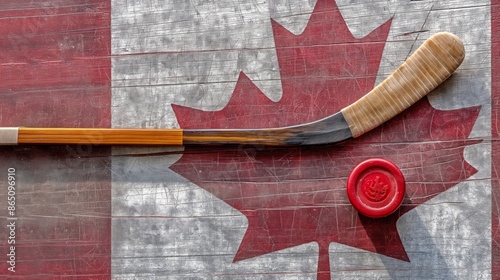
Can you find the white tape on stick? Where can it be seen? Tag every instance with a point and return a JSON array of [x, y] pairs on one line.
[[8, 135]]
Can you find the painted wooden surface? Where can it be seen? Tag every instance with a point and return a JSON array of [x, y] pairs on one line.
[[243, 212]]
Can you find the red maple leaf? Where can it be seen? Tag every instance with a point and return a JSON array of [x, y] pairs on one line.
[[297, 195]]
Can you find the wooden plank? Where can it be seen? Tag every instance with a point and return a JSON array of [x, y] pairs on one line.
[[55, 69], [207, 246], [243, 212]]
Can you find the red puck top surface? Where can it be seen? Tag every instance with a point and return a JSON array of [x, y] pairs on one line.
[[376, 188]]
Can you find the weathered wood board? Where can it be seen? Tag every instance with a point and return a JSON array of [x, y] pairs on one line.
[[245, 212]]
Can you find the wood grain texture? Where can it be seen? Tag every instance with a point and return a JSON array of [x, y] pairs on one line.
[[428, 67], [190, 53], [55, 67], [87, 213], [100, 136], [328, 130]]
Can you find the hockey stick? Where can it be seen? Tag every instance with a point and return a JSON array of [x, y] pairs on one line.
[[429, 66]]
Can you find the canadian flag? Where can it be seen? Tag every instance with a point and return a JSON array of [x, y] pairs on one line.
[[85, 211]]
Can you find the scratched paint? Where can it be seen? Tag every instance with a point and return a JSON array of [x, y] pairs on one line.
[[165, 53], [55, 68]]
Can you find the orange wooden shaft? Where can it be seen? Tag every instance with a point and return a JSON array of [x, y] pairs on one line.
[[100, 136]]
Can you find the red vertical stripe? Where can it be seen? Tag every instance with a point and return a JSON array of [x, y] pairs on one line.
[[54, 62], [495, 133], [55, 71]]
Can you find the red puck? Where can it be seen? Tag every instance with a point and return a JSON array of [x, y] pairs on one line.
[[376, 188]]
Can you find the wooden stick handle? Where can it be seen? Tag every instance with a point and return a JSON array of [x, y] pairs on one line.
[[96, 136], [429, 66]]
